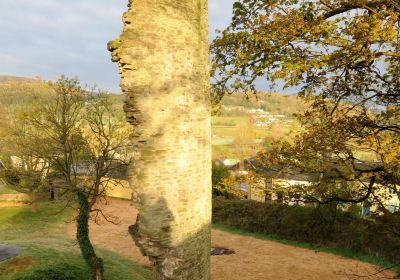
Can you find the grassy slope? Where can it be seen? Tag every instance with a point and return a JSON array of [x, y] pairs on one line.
[[42, 236], [337, 251]]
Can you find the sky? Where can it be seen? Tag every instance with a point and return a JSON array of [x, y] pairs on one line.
[[49, 38]]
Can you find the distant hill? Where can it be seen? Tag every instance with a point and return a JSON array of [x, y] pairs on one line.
[[22, 91], [273, 103], [17, 92], [232, 105], [7, 79], [265, 116]]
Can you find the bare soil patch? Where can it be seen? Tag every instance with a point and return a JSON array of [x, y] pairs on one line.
[[17, 264], [254, 259], [115, 237]]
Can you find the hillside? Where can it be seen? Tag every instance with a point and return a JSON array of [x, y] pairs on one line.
[[274, 103], [6, 79], [241, 127], [17, 92]]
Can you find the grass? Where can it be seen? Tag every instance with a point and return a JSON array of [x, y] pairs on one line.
[[6, 190], [27, 222], [56, 253], [332, 250], [48, 253], [40, 231]]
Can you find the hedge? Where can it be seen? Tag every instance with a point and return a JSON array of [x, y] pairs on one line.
[[323, 226]]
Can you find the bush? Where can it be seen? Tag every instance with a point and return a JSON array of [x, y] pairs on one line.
[[219, 173], [320, 226]]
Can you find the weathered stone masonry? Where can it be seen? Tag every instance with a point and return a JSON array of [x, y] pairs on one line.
[[162, 55]]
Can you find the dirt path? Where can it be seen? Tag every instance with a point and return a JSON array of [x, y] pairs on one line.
[[254, 259]]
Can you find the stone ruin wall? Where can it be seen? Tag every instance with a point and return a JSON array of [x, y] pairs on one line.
[[163, 57]]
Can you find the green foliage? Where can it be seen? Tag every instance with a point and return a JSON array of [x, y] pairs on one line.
[[219, 172], [319, 226]]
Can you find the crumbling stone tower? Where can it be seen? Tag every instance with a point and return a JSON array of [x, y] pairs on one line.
[[163, 57]]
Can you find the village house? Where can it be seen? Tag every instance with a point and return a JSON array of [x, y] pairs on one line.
[[117, 184], [272, 185]]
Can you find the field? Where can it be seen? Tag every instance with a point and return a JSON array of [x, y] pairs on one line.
[[262, 119], [227, 130]]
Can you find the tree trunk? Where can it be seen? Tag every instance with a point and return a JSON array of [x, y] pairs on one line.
[[82, 234], [52, 194], [163, 60]]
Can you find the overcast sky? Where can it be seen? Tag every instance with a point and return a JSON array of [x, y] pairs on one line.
[[47, 38]]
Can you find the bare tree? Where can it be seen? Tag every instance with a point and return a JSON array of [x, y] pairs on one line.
[[81, 139]]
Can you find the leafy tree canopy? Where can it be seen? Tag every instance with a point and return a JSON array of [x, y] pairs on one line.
[[344, 56], [345, 50]]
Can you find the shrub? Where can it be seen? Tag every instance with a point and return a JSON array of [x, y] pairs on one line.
[[320, 226], [219, 173]]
